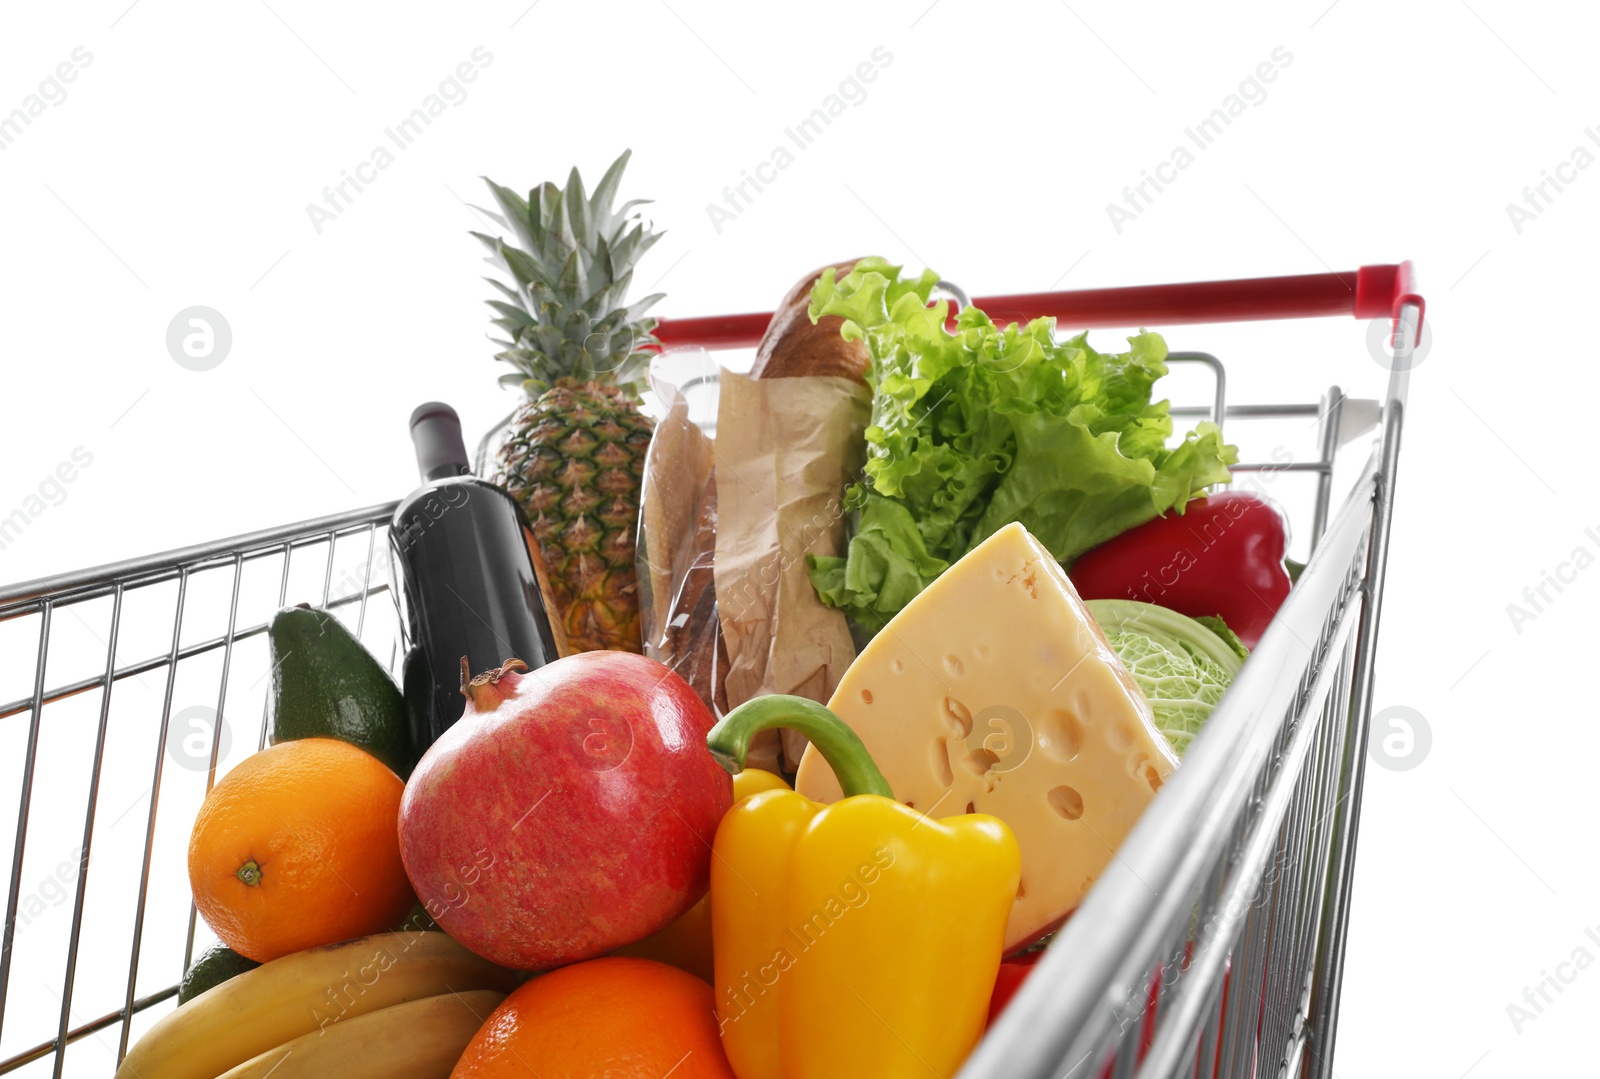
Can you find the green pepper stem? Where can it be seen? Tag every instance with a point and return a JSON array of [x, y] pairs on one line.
[[729, 740]]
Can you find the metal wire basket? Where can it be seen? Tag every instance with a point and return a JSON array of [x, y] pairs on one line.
[[1212, 946]]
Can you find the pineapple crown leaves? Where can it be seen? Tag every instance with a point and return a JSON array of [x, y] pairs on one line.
[[570, 259]]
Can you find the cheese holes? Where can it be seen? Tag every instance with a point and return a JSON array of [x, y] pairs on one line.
[[980, 761], [959, 716], [866, 696], [1147, 772], [940, 753], [1060, 735], [1066, 801], [953, 664], [897, 666], [972, 807]]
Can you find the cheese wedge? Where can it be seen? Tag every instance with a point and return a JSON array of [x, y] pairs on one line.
[[994, 691]]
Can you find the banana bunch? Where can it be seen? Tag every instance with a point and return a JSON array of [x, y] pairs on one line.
[[397, 1005]]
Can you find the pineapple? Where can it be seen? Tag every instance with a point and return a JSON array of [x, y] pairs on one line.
[[574, 453]]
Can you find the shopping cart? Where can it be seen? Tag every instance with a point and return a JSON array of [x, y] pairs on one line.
[[1213, 945]]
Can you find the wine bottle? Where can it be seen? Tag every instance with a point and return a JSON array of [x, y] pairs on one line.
[[469, 578]]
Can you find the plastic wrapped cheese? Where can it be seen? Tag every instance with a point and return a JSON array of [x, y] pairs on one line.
[[994, 691]]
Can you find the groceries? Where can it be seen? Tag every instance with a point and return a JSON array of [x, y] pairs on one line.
[[1182, 664], [210, 969], [677, 548], [989, 425], [326, 685], [296, 848], [686, 943], [994, 691], [1223, 557], [418, 1039], [471, 583], [569, 813], [798, 346], [612, 1018], [1014, 971], [789, 436], [573, 455], [791, 445], [306, 993], [596, 896], [726, 531], [832, 923]]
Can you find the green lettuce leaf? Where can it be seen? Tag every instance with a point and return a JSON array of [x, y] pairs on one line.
[[1181, 664], [887, 565], [975, 429]]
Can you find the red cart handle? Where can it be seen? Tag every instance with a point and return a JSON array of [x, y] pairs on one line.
[[1370, 292]]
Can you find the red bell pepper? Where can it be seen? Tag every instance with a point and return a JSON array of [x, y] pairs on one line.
[[1016, 970], [1222, 557], [1013, 972]]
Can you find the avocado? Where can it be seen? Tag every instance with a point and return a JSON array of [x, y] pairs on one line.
[[418, 920], [216, 965], [326, 685]]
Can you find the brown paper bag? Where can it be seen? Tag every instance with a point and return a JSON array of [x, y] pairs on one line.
[[785, 450]]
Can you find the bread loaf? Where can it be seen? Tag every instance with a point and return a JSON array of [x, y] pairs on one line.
[[795, 347]]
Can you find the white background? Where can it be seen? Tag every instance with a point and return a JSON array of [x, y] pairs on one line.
[[178, 169]]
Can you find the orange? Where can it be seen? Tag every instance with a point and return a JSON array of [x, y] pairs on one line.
[[616, 1017], [299, 847]]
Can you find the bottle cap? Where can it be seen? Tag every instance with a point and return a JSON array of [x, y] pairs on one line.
[[436, 433]]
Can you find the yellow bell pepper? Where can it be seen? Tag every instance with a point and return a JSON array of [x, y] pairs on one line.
[[686, 943], [753, 781], [858, 940]]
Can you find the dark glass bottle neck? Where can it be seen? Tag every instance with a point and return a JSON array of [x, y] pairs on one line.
[[445, 471]]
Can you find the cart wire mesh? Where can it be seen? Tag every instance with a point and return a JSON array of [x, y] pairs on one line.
[[284, 554], [1212, 945]]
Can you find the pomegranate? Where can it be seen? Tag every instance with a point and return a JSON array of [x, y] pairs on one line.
[[569, 812]]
